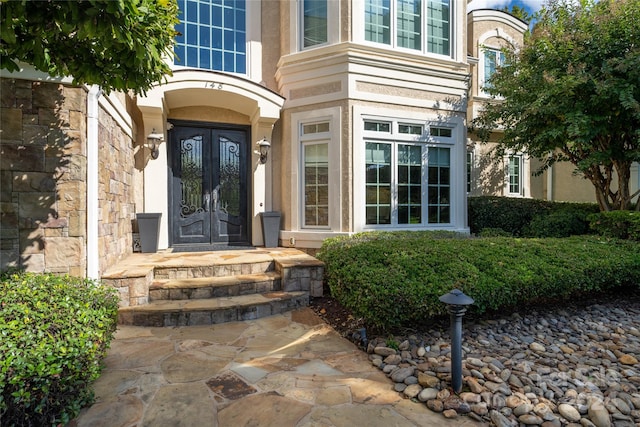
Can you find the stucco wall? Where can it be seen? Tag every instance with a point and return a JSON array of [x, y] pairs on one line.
[[209, 114], [488, 175], [492, 29]]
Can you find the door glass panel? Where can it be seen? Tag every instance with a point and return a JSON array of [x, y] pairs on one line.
[[192, 176], [229, 186]]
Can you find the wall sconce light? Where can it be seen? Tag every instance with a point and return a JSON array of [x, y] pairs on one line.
[[154, 139], [264, 146]]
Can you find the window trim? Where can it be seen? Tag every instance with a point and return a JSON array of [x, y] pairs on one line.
[[296, 21], [304, 145], [249, 13], [307, 140], [427, 142], [359, 28], [457, 144], [332, 137], [482, 77], [521, 171], [470, 168], [301, 32]]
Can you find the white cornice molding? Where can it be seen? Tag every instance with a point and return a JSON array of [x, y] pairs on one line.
[[485, 15], [28, 72]]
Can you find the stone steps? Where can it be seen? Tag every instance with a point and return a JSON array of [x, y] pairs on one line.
[[192, 312], [220, 269], [214, 287], [204, 288]]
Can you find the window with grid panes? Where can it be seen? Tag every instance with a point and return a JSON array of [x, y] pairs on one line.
[[439, 181], [515, 174], [316, 184], [493, 58], [314, 138], [407, 182], [212, 35], [422, 25]]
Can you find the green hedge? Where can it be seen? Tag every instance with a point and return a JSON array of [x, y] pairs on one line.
[[618, 224], [529, 217], [54, 332], [395, 279]]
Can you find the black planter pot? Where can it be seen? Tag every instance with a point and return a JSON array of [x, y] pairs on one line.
[[270, 228], [149, 227]]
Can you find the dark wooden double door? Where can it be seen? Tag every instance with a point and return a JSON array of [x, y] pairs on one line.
[[209, 181]]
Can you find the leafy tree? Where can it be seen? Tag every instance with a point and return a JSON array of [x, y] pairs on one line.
[[519, 12], [572, 93], [117, 44]]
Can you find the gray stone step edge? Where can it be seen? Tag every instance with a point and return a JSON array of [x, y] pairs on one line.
[[214, 287], [297, 274], [212, 311]]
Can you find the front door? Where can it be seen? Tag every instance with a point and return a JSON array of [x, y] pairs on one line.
[[209, 181]]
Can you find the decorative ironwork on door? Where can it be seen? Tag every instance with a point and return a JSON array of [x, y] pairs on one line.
[[191, 200], [229, 187], [209, 173]]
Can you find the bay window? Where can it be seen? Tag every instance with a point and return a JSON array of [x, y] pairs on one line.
[[407, 177], [421, 25], [314, 23]]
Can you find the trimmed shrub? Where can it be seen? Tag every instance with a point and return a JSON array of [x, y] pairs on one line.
[[565, 222], [529, 217], [618, 224], [392, 282], [54, 333], [494, 232]]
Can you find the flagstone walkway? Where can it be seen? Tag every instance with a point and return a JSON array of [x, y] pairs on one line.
[[285, 370]]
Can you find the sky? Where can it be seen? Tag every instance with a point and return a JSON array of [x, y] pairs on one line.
[[530, 5]]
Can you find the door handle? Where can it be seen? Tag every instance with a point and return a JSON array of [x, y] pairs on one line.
[[207, 199], [215, 198]]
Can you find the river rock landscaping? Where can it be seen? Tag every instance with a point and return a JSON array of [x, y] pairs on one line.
[[572, 365]]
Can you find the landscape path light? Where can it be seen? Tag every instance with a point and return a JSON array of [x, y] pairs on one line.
[[457, 303]]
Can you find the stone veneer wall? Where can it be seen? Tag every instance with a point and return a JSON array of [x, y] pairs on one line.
[[43, 170], [117, 187], [42, 176]]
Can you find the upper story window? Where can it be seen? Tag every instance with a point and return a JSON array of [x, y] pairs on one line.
[[314, 23], [212, 35], [422, 25], [492, 59]]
